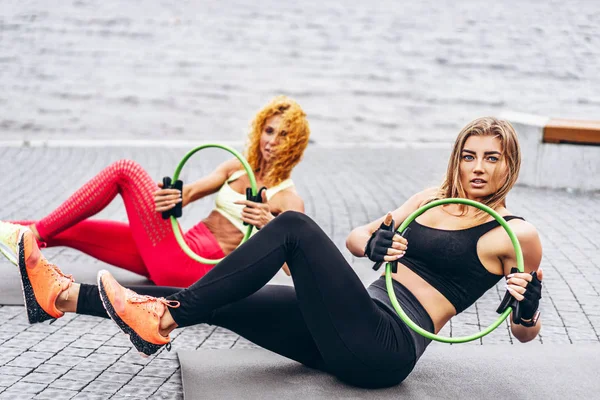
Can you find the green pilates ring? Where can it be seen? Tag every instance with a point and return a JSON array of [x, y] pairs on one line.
[[175, 225], [388, 272]]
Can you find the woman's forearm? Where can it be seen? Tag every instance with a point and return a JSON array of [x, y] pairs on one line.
[[186, 195], [357, 241], [193, 192]]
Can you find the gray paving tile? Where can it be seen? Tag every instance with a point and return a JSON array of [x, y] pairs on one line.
[[56, 394], [92, 396], [103, 387], [18, 371], [30, 359], [137, 391], [114, 377], [26, 387], [65, 360], [125, 368], [52, 369], [69, 384], [13, 394], [105, 349], [40, 377], [81, 375], [166, 394], [8, 380]]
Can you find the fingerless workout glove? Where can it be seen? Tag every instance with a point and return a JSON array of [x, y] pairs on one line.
[[533, 293], [526, 308], [380, 242]]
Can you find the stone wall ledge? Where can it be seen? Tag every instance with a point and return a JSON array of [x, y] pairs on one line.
[[557, 154]]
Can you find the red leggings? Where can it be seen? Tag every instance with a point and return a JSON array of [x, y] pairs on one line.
[[146, 246]]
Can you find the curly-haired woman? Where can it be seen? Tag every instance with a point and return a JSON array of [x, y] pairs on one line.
[[147, 245]]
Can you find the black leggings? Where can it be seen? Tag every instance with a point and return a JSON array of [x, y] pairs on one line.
[[326, 321]]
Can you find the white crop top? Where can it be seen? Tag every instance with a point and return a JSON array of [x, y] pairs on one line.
[[224, 203]]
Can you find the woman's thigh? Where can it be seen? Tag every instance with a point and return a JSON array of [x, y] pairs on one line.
[[271, 318]]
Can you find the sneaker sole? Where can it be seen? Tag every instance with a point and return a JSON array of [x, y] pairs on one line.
[[35, 313], [144, 347]]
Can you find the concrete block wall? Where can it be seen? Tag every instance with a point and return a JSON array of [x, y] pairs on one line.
[[553, 165]]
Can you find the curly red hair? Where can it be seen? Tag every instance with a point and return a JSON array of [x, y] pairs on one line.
[[291, 147]]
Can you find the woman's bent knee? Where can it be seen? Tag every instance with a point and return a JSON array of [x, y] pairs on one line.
[[128, 169], [297, 224], [294, 219]]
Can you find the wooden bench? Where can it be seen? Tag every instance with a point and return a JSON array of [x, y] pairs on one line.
[[571, 131]]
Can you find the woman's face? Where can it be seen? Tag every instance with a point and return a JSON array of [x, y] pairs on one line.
[[482, 166], [270, 137]]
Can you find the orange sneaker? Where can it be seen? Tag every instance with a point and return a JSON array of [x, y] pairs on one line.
[[137, 315], [41, 280]]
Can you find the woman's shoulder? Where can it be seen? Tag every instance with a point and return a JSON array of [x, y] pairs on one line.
[[529, 239], [524, 230], [289, 192], [288, 199], [425, 195], [430, 191], [229, 167]]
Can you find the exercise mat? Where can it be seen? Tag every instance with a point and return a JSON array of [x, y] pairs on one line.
[[529, 371]]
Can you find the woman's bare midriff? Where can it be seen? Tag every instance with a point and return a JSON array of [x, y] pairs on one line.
[[437, 306], [227, 235]]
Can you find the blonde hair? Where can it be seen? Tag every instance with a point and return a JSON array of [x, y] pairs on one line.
[[511, 152], [290, 148]]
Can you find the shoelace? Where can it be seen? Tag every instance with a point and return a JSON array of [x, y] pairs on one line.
[[142, 298], [56, 270]]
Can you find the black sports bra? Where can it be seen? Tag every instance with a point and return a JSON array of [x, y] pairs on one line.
[[448, 261]]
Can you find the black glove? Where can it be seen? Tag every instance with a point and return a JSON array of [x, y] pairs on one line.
[[526, 308], [380, 242], [531, 302]]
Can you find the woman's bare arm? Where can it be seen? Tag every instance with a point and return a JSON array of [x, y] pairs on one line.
[[358, 238], [165, 199], [210, 183], [532, 257]]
